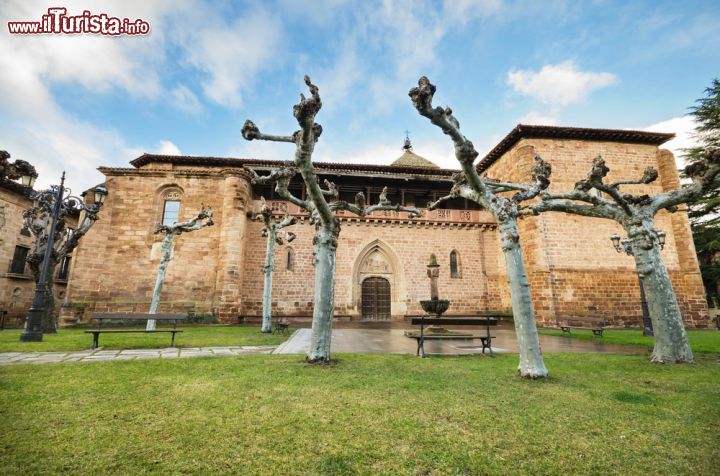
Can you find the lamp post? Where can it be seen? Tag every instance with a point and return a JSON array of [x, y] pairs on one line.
[[51, 201], [624, 246]]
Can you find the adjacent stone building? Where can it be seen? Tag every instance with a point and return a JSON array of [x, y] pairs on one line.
[[573, 268]]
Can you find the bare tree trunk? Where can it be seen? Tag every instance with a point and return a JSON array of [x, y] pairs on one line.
[[325, 249], [49, 318], [531, 361], [164, 262], [267, 285], [671, 342]]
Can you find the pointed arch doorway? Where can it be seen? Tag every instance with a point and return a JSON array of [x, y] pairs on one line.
[[378, 285]]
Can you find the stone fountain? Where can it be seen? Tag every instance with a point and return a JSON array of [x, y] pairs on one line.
[[434, 306]]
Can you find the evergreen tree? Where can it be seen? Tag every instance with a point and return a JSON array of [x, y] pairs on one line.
[[705, 214]]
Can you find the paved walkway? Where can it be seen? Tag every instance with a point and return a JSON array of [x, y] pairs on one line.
[[7, 358], [346, 337], [392, 340]]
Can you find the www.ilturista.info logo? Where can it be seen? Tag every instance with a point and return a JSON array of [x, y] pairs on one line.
[[57, 21]]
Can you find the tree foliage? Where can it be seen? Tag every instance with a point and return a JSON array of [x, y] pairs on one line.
[[705, 213]]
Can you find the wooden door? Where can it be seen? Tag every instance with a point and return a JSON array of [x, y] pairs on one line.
[[376, 298]]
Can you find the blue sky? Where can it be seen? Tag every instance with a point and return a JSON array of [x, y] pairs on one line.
[[77, 102]]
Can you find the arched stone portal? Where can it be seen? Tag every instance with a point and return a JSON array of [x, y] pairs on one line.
[[378, 284]]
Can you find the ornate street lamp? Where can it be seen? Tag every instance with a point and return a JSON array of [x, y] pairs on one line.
[[52, 202], [624, 246]]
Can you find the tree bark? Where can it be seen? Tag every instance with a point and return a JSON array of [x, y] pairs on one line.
[[325, 250], [49, 318], [671, 342], [164, 262], [531, 361], [267, 289]]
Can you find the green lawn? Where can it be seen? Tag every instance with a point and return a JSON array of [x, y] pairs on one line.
[[367, 414], [706, 340], [199, 336]]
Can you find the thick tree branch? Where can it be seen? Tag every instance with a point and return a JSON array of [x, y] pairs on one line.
[[649, 176], [499, 187], [581, 196], [465, 152], [305, 139], [191, 225], [281, 177], [540, 180], [595, 180], [362, 212], [251, 132], [439, 201], [575, 208], [705, 175], [332, 190]]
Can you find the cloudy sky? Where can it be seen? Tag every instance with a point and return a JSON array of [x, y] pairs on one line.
[[74, 102]]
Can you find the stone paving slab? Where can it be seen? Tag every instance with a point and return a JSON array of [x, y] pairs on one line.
[[101, 355], [394, 341]]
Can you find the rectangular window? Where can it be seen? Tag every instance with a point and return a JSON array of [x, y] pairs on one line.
[[64, 269], [171, 212], [18, 263]]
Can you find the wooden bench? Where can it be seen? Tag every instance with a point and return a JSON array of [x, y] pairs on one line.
[[594, 324], [453, 321], [5, 319], [119, 316], [281, 327]]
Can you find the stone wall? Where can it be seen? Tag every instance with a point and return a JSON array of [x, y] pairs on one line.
[[116, 267], [399, 252]]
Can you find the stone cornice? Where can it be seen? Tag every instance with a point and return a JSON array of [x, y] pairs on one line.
[[120, 171]]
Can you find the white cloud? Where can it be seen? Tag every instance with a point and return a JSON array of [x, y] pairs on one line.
[[386, 46], [185, 100], [684, 128], [539, 118], [464, 11], [560, 84], [34, 67], [440, 152], [230, 56], [168, 148]]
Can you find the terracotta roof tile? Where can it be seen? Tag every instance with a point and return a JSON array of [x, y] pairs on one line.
[[523, 131]]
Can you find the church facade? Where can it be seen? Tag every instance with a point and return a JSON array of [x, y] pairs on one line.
[[381, 259]]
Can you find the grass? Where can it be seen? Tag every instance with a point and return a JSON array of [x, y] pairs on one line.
[[200, 336], [702, 341], [367, 414]]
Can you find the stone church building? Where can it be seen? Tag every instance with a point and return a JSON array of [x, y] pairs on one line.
[[573, 269]]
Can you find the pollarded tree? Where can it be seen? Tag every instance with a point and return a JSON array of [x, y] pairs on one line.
[[322, 206], [201, 220], [488, 193], [273, 231], [636, 214]]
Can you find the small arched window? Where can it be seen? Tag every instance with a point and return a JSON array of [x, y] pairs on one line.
[[290, 259], [171, 207], [454, 267]]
